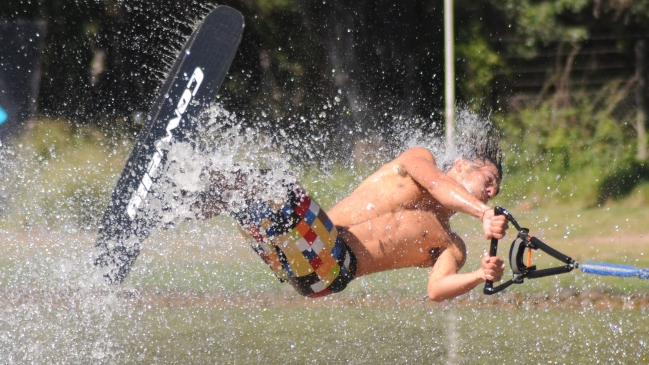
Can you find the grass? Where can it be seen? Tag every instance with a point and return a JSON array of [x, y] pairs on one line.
[[212, 256], [61, 175]]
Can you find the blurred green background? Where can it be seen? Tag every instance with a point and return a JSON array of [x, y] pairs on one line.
[[564, 81]]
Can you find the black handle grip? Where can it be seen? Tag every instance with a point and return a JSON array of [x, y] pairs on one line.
[[493, 251]]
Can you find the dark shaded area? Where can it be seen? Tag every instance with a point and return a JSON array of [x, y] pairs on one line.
[[21, 44], [328, 72], [621, 181], [104, 60]]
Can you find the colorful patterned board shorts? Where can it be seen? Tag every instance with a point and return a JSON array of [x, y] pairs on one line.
[[299, 243]]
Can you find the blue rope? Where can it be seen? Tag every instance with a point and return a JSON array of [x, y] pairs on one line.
[[601, 268]]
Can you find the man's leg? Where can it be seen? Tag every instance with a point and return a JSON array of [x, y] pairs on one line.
[[291, 233], [299, 242]]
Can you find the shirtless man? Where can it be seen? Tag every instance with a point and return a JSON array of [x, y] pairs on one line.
[[397, 218]]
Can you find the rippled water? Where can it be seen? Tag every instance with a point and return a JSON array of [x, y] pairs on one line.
[[199, 295]]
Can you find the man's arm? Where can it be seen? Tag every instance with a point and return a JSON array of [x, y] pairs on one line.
[[420, 165], [444, 282]]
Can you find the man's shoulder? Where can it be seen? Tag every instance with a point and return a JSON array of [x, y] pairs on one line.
[[415, 158], [417, 152]]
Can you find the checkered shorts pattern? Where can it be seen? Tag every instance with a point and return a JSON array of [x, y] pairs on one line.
[[299, 243]]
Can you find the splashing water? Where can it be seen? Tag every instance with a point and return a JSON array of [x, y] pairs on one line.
[[242, 159], [59, 308], [474, 134]]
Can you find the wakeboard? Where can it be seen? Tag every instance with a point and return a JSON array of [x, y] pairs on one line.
[[190, 87]]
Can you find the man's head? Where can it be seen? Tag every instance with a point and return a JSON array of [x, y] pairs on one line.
[[477, 157], [476, 140], [481, 178]]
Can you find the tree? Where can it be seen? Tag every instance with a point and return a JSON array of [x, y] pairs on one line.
[[575, 23]]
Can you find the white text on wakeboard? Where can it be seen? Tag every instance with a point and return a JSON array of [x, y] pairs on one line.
[[147, 179]]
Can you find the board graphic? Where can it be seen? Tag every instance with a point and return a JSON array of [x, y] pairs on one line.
[[191, 85]]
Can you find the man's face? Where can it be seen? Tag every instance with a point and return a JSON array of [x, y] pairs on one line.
[[480, 178]]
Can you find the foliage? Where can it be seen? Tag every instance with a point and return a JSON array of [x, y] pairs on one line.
[[568, 152], [335, 69], [539, 22], [577, 142], [479, 63]]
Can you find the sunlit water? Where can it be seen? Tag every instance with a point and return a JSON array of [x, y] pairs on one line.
[[198, 295]]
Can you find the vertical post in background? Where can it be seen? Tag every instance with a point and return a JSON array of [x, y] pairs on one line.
[[453, 340], [449, 72], [641, 99]]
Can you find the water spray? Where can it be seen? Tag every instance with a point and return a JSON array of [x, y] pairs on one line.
[[520, 260]]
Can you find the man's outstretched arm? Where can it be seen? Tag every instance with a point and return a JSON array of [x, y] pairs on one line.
[[444, 281]]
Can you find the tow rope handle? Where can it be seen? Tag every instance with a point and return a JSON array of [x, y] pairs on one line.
[[521, 269], [493, 251]]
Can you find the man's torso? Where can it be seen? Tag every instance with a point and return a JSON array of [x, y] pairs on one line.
[[391, 222]]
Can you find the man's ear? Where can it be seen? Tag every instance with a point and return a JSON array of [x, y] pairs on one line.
[[459, 165]]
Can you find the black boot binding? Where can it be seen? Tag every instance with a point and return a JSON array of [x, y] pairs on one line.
[[521, 269]]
